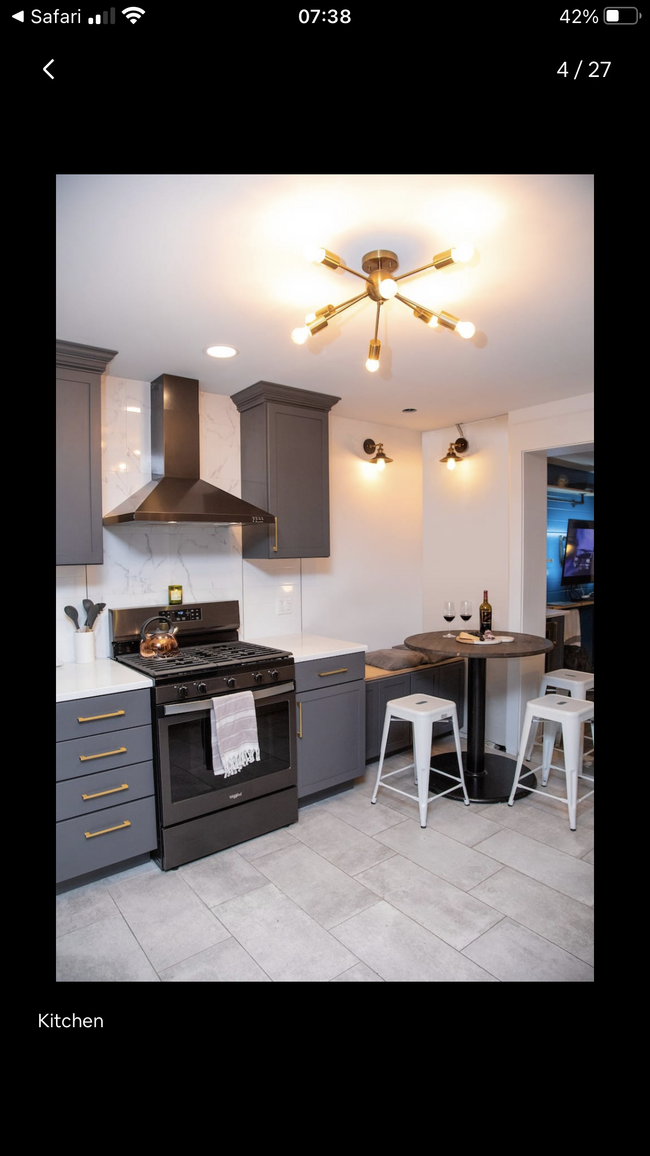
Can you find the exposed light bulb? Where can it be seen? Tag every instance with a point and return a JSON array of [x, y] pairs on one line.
[[300, 335], [374, 349], [466, 329], [451, 464], [463, 252], [380, 464], [313, 252], [388, 288]]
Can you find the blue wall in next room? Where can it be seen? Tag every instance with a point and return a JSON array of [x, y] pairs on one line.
[[559, 510]]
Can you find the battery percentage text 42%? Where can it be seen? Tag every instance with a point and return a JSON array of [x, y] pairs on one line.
[[578, 16]]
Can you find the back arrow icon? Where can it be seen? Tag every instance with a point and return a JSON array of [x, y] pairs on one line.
[[47, 66]]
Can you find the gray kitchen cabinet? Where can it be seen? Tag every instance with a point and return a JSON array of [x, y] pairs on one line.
[[330, 723], [105, 804], [378, 692], [444, 681], [79, 370], [285, 469]]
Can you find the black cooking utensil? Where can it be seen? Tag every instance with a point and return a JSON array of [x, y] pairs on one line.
[[94, 613], [72, 615], [87, 605]]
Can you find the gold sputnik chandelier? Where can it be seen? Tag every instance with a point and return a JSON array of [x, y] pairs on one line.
[[379, 268]]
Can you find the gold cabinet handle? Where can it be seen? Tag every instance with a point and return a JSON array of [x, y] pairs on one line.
[[98, 794], [324, 673], [299, 720], [107, 830], [94, 717], [102, 754], [275, 548]]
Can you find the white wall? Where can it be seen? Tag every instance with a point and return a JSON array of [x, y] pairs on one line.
[[465, 539], [370, 589], [354, 594], [531, 433]]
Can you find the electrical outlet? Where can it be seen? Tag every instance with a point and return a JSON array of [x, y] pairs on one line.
[[283, 606]]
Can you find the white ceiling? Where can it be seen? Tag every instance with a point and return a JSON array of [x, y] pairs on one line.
[[160, 266]]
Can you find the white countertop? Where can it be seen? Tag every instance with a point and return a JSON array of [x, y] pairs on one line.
[[88, 679], [306, 646]]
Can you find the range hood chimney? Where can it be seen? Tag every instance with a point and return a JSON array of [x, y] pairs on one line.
[[176, 493]]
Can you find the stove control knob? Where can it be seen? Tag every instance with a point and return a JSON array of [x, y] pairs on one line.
[[182, 692], [202, 688], [274, 675], [231, 682], [258, 676]]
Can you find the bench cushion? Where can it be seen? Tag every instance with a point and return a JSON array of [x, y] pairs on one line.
[[395, 658]]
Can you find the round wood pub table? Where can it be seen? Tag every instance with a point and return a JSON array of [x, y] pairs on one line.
[[488, 776]]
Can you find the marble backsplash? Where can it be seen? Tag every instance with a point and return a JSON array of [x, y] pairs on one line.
[[140, 562]]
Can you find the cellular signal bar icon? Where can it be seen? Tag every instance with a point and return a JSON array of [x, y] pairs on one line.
[[103, 18], [133, 14]]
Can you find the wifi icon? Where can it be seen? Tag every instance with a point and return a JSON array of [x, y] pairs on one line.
[[133, 14]]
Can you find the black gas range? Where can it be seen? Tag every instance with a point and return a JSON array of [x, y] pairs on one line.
[[210, 658], [200, 811]]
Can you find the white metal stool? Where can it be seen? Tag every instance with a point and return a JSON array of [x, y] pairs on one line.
[[573, 682], [556, 710], [421, 710]]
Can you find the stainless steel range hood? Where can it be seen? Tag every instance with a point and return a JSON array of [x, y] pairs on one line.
[[176, 493]]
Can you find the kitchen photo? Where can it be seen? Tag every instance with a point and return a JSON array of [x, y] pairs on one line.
[[324, 578]]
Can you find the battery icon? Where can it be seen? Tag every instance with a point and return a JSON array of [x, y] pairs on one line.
[[621, 15]]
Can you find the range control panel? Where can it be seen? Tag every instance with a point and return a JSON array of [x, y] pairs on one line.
[[182, 613]]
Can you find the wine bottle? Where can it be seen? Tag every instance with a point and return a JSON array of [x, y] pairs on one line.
[[485, 614]]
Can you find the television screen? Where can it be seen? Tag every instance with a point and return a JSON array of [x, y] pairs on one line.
[[578, 565]]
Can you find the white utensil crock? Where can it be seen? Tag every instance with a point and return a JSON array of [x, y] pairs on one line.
[[84, 646]]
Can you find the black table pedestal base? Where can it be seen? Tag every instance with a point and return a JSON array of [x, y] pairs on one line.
[[493, 786]]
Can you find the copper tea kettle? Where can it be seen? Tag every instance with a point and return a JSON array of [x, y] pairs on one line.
[[160, 642]]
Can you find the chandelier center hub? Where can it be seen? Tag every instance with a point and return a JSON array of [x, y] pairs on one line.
[[380, 259]]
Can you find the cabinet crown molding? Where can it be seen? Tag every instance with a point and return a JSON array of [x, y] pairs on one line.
[[92, 358], [289, 394]]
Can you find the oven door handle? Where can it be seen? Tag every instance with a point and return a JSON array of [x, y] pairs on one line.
[[206, 703]]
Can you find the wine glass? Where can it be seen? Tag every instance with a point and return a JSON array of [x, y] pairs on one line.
[[448, 613], [466, 611]]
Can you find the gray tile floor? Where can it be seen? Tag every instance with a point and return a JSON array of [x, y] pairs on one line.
[[354, 893]]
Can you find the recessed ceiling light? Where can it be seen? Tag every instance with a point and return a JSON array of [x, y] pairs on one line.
[[221, 351]]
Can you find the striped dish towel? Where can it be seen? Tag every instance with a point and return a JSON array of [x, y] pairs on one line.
[[235, 742]]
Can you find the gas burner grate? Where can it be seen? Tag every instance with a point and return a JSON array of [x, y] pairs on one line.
[[202, 657]]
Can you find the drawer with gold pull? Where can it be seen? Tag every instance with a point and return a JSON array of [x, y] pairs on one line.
[[102, 752], [106, 789], [320, 672], [104, 838], [101, 713]]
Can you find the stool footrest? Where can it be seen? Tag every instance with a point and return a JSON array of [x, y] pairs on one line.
[[408, 795], [548, 795]]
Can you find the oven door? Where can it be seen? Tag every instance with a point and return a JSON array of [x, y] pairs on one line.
[[188, 784]]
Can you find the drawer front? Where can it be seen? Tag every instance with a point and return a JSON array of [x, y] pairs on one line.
[[105, 712], [95, 753], [320, 672], [106, 837], [106, 789]]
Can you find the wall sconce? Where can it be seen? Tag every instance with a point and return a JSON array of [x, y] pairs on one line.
[[380, 460], [455, 448]]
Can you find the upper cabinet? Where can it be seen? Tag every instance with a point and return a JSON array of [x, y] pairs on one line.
[[79, 370], [285, 469]]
